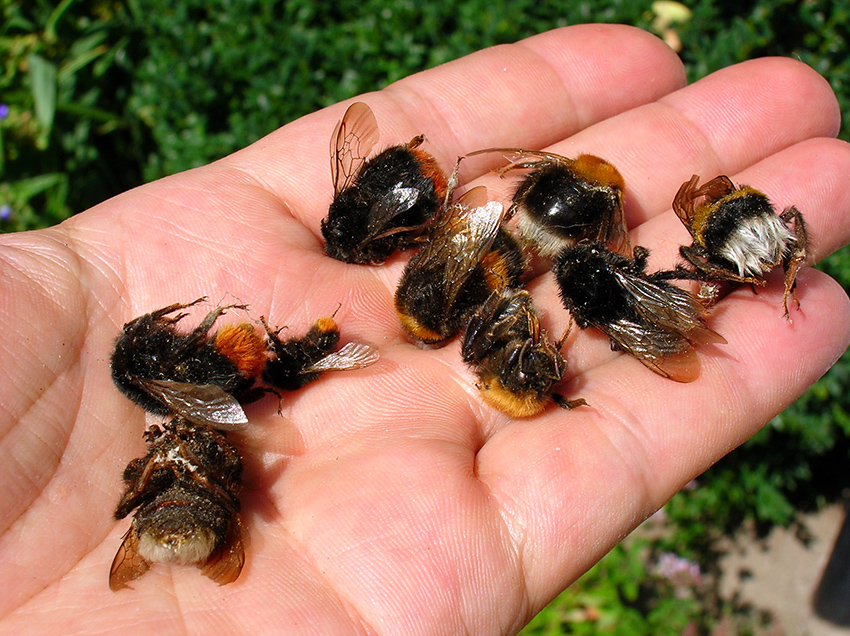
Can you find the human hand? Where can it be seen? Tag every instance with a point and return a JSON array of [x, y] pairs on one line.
[[391, 500]]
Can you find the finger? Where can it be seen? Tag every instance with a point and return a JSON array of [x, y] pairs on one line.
[[570, 485], [730, 120], [718, 125], [532, 93], [655, 446], [810, 175]]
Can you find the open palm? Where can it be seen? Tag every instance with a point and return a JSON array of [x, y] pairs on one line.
[[391, 500]]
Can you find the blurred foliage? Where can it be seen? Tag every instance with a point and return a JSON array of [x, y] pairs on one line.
[[105, 94], [219, 74], [620, 595], [721, 33], [636, 590], [97, 96], [65, 140]]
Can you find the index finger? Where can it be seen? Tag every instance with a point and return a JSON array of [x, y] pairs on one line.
[[531, 94]]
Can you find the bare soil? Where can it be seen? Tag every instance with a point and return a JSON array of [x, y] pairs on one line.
[[781, 573]]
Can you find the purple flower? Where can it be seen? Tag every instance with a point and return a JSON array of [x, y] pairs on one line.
[[677, 570], [5, 212], [4, 111]]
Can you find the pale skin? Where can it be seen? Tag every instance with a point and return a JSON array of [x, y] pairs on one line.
[[391, 500]]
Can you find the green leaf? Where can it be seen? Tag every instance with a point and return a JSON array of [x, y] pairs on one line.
[[43, 80], [53, 20], [25, 189]]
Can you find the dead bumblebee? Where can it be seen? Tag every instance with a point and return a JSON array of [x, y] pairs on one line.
[[562, 201], [200, 375], [298, 361], [468, 257], [514, 360], [382, 204], [184, 492], [737, 235], [642, 314]]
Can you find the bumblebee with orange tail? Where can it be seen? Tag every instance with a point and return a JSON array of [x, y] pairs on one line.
[[562, 201], [381, 204], [470, 255], [205, 376], [298, 361], [202, 375], [515, 362]]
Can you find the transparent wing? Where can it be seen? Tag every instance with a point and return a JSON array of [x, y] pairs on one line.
[[128, 564], [667, 353], [683, 202], [199, 403], [395, 202], [672, 322], [671, 308], [463, 237], [717, 188], [613, 231], [225, 564], [521, 158], [351, 142], [353, 355]]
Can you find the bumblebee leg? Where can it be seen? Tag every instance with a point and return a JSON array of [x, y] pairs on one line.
[[790, 286], [564, 403], [640, 256], [563, 339], [417, 141], [705, 270], [160, 314], [139, 489], [797, 258], [211, 317], [272, 333]]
